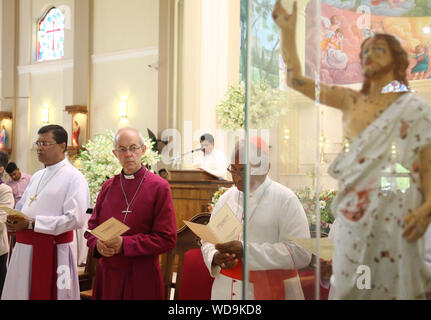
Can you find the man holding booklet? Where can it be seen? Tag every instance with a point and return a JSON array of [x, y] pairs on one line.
[[274, 213], [6, 200], [133, 222], [43, 265]]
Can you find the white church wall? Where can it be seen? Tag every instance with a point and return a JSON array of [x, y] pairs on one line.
[[123, 25], [209, 63], [125, 43], [131, 78]]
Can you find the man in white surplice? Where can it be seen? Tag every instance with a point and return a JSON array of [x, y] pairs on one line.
[[43, 264], [212, 160], [274, 212]]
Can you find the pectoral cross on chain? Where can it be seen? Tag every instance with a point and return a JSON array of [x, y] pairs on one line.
[[127, 211], [34, 198]]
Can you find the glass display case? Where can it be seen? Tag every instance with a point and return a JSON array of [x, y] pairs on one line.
[[330, 155]]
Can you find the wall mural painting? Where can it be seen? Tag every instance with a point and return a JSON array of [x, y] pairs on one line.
[[343, 30], [391, 8]]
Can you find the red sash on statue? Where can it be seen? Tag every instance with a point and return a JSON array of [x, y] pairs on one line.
[[268, 284], [44, 262]]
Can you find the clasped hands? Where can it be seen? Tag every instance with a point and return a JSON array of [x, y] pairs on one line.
[[228, 254], [17, 223], [111, 247]]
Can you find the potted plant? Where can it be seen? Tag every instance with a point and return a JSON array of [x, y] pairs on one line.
[[308, 201], [266, 106]]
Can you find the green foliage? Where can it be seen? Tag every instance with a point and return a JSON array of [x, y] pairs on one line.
[[216, 197], [265, 107], [307, 197]]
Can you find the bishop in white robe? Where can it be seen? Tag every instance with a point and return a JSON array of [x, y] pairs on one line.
[[274, 213], [43, 263], [59, 208]]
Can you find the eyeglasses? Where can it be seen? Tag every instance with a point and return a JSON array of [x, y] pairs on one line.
[[132, 148], [234, 172], [43, 143]]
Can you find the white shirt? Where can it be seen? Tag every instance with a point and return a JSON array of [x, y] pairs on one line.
[[274, 212], [62, 200], [6, 199], [214, 162]]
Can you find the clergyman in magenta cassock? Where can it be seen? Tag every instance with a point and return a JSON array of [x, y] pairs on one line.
[[142, 201]]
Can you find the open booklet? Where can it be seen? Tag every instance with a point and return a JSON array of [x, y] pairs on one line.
[[326, 246], [223, 227], [109, 230], [13, 212]]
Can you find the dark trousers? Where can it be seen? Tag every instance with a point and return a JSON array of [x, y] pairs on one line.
[[3, 262]]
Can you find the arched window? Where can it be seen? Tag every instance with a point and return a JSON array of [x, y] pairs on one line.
[[50, 36]]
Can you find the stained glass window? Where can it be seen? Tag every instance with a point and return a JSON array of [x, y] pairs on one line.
[[50, 36]]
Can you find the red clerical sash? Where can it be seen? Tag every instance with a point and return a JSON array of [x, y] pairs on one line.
[[44, 262], [268, 284]]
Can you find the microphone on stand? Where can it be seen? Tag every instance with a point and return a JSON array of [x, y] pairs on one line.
[[173, 160]]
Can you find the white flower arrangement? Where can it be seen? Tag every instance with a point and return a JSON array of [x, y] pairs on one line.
[[266, 106], [98, 163]]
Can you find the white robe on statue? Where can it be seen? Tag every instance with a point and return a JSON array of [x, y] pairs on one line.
[[60, 207], [379, 183], [274, 212]]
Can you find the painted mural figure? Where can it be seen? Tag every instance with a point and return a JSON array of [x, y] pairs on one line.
[[376, 27], [386, 126], [332, 44], [420, 70]]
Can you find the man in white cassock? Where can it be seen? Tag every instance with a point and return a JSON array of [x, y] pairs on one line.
[[274, 212], [43, 264], [212, 160]]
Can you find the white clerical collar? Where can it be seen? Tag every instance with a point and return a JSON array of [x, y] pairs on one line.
[[130, 176], [57, 165]]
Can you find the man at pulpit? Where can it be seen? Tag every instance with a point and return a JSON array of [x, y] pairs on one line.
[[212, 160], [274, 212]]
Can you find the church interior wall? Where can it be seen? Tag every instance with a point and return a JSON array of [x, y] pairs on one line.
[[133, 79], [120, 66], [209, 64], [125, 25], [124, 43]]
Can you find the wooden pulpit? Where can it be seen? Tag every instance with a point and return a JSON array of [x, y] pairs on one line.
[[192, 191]]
